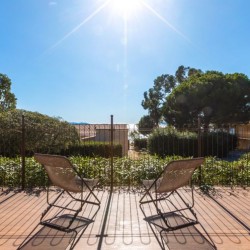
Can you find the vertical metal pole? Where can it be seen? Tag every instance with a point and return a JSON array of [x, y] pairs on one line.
[[199, 137], [199, 148], [23, 152], [112, 152], [107, 210]]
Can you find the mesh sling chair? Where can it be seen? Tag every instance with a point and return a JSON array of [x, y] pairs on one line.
[[165, 207], [64, 175]]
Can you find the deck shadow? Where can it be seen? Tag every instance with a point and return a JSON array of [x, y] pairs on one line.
[[47, 238], [188, 238], [229, 211]]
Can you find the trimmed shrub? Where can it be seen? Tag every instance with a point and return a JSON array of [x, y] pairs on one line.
[[140, 143], [218, 144], [93, 149], [168, 141], [127, 171]]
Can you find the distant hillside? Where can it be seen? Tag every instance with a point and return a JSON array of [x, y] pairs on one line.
[[79, 123]]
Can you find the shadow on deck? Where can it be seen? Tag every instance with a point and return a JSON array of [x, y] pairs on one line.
[[225, 215]]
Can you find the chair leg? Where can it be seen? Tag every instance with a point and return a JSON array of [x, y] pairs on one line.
[[81, 202], [167, 225], [50, 205]]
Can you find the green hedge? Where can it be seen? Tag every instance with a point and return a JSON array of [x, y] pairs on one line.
[[163, 142], [140, 143], [93, 149], [168, 141], [127, 171], [218, 144], [10, 172]]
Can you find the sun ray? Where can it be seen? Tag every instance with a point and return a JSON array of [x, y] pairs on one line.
[[125, 52], [147, 6], [93, 14], [125, 60]]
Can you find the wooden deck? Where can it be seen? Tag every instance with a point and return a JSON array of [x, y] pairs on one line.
[[225, 216]]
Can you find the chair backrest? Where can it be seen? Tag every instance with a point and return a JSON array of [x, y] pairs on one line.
[[60, 171], [177, 174]]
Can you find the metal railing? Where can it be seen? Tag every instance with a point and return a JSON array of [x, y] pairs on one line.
[[120, 155]]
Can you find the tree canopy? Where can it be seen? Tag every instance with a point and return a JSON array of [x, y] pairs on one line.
[[215, 97], [42, 133], [145, 125], [154, 98], [7, 99]]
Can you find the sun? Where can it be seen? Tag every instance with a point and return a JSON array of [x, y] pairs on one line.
[[125, 7]]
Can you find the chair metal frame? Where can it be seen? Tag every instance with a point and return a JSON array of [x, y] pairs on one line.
[[155, 192], [41, 158]]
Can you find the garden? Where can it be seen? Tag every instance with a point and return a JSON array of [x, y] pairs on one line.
[[42, 134], [127, 172]]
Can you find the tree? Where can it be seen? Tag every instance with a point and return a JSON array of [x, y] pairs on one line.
[[145, 125], [42, 133], [182, 73], [216, 97], [7, 99], [154, 98]]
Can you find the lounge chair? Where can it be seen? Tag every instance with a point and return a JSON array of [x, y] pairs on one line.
[[65, 176], [163, 205]]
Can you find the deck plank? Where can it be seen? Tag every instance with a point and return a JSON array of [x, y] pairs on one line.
[[20, 214]]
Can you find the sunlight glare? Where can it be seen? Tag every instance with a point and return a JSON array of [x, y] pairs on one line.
[[125, 7]]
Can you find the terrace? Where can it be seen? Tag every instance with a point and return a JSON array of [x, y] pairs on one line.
[[222, 197], [225, 216]]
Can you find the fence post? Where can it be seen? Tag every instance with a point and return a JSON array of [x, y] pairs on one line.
[[112, 152], [199, 148], [106, 211], [23, 152]]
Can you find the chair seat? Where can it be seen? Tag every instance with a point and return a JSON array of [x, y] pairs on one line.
[[61, 222], [79, 184], [176, 221]]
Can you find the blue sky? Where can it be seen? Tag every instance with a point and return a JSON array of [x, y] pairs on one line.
[[84, 60]]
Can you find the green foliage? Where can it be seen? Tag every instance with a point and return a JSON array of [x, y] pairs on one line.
[[34, 174], [219, 172], [93, 149], [42, 133], [131, 172], [154, 97], [140, 143], [128, 172], [95, 168], [145, 125], [216, 97], [169, 141], [217, 144], [7, 99], [245, 157], [10, 172], [182, 73]]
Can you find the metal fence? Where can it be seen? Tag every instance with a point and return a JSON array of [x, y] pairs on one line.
[[120, 155]]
